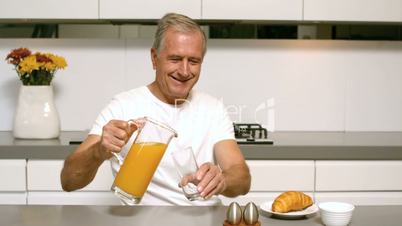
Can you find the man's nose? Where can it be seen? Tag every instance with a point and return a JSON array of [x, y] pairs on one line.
[[184, 69]]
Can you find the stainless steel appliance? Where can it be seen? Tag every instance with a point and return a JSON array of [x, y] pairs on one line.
[[251, 133], [245, 133]]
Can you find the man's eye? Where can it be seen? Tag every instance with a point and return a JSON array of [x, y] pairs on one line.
[[194, 62], [175, 59]]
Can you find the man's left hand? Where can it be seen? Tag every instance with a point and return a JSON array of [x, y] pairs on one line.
[[212, 180]]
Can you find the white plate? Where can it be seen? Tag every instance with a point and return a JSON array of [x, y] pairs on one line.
[[266, 208]]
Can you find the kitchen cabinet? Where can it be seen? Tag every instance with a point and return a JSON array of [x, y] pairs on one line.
[[269, 178], [49, 9], [252, 10], [359, 182], [368, 182], [358, 175], [361, 197], [277, 175], [353, 10], [150, 9], [274, 10], [72, 198], [12, 181], [43, 185]]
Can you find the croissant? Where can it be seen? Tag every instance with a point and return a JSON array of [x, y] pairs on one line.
[[291, 201]]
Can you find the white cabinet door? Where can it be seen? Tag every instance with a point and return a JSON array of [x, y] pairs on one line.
[[358, 176], [149, 9], [12, 175], [13, 198], [353, 10], [269, 178], [252, 10], [257, 197], [277, 175], [361, 198], [44, 175], [72, 198], [43, 185], [49, 9], [12, 181]]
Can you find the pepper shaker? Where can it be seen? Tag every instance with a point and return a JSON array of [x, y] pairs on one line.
[[236, 217]]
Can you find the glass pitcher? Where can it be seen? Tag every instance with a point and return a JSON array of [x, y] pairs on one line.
[[139, 166]]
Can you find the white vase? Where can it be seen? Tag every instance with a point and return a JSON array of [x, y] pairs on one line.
[[36, 114]]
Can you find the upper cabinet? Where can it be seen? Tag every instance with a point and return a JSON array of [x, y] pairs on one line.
[[49, 9], [252, 10], [147, 9], [353, 10], [257, 10]]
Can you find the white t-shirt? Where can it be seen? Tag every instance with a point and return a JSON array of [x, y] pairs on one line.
[[200, 122]]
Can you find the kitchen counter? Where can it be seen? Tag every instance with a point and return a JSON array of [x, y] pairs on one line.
[[287, 145], [169, 216]]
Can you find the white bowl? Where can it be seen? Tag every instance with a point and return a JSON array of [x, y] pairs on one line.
[[336, 213]]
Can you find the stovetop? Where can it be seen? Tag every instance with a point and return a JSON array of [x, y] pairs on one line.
[[251, 133], [245, 133]]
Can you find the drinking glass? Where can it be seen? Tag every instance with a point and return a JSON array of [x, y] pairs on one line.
[[186, 166], [141, 161]]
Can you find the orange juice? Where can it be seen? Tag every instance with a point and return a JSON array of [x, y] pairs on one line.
[[139, 167]]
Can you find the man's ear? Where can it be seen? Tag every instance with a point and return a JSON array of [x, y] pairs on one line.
[[154, 57]]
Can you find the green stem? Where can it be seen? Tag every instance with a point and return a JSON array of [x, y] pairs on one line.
[[37, 78]]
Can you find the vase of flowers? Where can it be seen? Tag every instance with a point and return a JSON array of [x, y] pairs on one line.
[[36, 115]]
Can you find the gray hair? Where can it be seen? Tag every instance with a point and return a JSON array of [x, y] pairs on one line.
[[180, 23]]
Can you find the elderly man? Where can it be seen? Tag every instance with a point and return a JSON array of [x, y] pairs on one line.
[[200, 120]]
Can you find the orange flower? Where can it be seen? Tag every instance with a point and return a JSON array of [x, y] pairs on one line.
[[17, 54], [42, 58]]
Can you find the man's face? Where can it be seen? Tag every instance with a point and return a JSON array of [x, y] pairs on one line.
[[178, 65]]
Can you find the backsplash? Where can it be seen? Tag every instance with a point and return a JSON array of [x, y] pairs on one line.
[[302, 85]]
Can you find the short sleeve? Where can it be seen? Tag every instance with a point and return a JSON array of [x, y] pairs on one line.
[[222, 126], [113, 110]]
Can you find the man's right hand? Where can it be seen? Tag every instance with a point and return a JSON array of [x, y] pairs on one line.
[[81, 166], [115, 135]]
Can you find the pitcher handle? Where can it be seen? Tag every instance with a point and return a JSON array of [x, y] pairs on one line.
[[118, 157]]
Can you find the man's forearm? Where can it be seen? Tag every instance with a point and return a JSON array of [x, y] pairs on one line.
[[237, 179], [80, 167]]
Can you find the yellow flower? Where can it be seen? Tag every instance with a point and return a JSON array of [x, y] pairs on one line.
[[49, 66], [60, 62], [28, 64]]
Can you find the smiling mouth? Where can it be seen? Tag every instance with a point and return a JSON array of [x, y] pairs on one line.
[[180, 80]]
